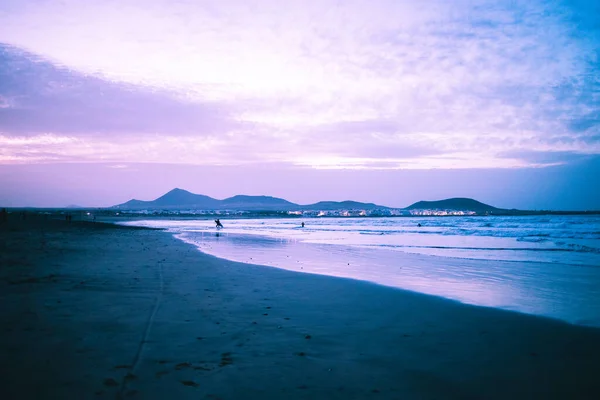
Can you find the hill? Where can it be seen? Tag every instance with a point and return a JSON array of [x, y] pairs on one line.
[[176, 198], [457, 204]]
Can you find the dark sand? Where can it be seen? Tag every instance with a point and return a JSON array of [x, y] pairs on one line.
[[100, 311]]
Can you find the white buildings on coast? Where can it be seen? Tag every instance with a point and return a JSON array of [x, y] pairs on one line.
[[388, 212]]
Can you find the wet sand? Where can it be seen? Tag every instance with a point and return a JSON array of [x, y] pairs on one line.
[[100, 311]]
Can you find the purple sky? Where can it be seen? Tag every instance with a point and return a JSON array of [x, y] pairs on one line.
[[381, 101]]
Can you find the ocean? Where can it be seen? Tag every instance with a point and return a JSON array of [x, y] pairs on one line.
[[541, 265]]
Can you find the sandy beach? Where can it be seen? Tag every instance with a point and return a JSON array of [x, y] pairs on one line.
[[92, 310]]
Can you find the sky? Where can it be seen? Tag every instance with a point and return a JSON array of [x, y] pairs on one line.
[[384, 101]]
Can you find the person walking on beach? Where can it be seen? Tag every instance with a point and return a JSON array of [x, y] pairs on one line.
[[219, 224], [303, 224]]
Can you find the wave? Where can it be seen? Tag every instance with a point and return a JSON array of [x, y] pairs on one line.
[[533, 239], [581, 248], [569, 248]]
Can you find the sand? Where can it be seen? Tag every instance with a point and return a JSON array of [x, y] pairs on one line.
[[92, 310]]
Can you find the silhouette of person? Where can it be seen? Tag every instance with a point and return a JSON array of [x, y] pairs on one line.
[[303, 224], [219, 224]]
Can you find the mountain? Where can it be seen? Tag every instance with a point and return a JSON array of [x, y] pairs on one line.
[[176, 198], [457, 203], [184, 198]]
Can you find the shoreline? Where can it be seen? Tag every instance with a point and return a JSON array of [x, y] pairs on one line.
[[98, 311], [462, 279]]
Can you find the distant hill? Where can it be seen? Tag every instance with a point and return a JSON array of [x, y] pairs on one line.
[[182, 199], [457, 203], [176, 198]]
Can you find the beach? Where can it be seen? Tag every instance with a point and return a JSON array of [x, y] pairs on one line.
[[93, 310]]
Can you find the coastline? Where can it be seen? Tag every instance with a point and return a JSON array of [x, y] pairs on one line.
[[97, 310]]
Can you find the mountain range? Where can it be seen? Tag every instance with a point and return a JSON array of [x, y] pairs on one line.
[[182, 199]]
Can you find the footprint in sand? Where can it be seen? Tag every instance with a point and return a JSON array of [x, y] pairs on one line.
[[161, 373], [130, 377], [183, 365], [226, 359], [110, 382]]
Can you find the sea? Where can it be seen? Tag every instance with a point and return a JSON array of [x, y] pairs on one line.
[[540, 265]]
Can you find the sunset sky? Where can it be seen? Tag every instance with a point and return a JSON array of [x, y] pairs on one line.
[[381, 101]]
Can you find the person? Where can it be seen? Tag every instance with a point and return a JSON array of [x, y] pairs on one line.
[[303, 224], [419, 225], [219, 224]]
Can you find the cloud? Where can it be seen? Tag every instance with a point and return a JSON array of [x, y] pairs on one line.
[[547, 158], [378, 84], [39, 97]]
